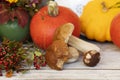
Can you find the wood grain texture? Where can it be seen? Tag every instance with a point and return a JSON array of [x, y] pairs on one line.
[[67, 75], [107, 69]]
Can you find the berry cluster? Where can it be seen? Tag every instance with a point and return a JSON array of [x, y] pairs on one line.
[[13, 56], [39, 61], [10, 55]]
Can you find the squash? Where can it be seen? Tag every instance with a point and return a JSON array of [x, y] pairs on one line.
[[13, 31], [115, 30], [14, 22], [47, 20], [96, 19]]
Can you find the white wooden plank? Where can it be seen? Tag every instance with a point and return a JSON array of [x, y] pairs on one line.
[[67, 75], [107, 69], [110, 57]]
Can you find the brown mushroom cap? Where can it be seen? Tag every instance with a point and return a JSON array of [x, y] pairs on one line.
[[64, 32], [57, 54], [91, 58]]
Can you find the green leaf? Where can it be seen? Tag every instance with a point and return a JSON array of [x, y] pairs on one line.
[[30, 56], [2, 66], [24, 71], [37, 53]]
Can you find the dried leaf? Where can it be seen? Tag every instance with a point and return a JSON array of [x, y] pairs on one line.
[[12, 15], [4, 14], [9, 73], [22, 17], [19, 13]]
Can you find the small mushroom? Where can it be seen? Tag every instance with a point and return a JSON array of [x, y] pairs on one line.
[[57, 54], [64, 32], [88, 49], [91, 58], [74, 54]]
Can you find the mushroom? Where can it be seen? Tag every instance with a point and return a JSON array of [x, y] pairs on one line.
[[74, 54], [63, 33], [89, 50], [57, 54]]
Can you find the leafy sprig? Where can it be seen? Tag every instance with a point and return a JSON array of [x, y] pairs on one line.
[[14, 56]]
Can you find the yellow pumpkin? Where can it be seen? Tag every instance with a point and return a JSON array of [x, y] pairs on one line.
[[96, 19]]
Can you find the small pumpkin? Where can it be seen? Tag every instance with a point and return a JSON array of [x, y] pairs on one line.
[[47, 19], [14, 23], [96, 19], [13, 31], [115, 30]]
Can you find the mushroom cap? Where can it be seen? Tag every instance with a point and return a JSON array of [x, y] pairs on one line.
[[57, 54], [91, 58], [64, 32]]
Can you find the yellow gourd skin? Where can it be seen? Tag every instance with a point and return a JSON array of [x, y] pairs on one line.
[[96, 19]]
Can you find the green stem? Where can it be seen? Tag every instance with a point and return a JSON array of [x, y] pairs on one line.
[[53, 8], [116, 5], [105, 8]]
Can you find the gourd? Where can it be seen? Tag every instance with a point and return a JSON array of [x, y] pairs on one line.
[[115, 30], [14, 22], [13, 31], [96, 19], [47, 20]]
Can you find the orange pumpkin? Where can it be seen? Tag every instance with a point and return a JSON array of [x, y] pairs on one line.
[[43, 25], [115, 30]]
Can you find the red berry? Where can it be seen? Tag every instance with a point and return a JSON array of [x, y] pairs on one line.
[[1, 73], [44, 64], [11, 56], [2, 59], [5, 63], [1, 62], [0, 49], [4, 53], [37, 66]]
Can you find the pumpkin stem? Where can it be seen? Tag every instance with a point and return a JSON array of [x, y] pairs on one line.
[[53, 8], [104, 7], [116, 5]]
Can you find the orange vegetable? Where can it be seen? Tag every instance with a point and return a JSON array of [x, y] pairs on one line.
[[43, 25], [115, 30]]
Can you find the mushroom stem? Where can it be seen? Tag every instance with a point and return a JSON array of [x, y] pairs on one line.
[[82, 45], [74, 54], [91, 52]]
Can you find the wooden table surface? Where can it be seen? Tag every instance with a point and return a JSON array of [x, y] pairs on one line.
[[107, 69]]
